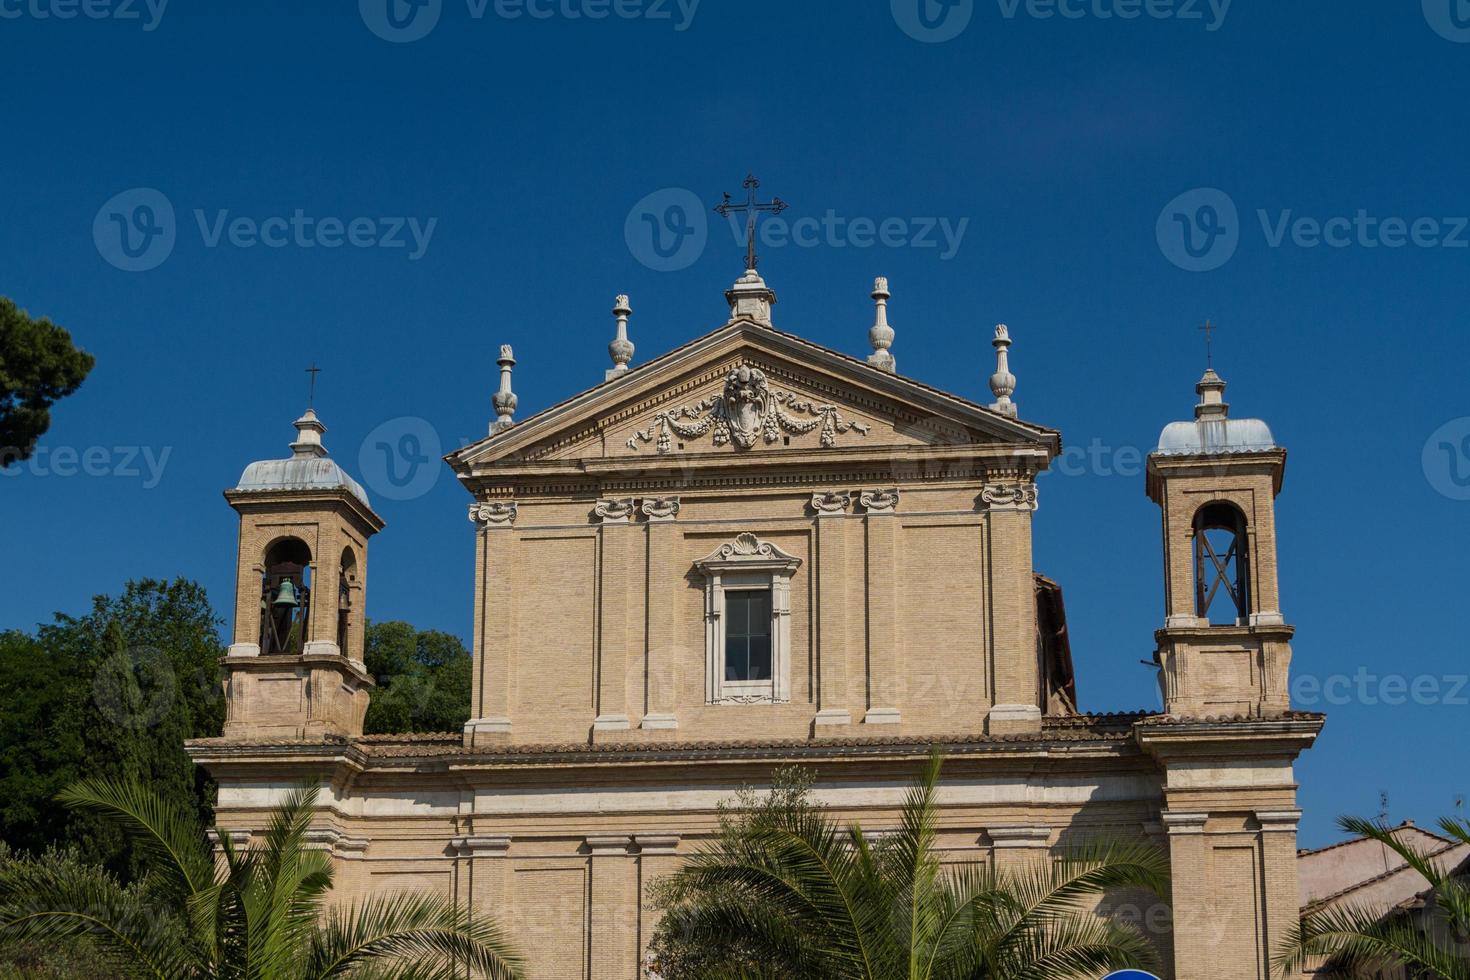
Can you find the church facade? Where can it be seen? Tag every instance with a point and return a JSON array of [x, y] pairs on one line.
[[753, 552]]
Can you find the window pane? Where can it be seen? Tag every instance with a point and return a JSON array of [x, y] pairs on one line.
[[760, 657], [748, 635], [760, 613], [737, 657]]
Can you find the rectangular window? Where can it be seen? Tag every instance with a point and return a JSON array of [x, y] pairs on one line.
[[748, 635]]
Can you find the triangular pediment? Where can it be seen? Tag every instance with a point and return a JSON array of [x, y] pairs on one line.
[[747, 390]]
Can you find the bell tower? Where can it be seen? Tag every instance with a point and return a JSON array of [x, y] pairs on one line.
[[1224, 649], [294, 668]]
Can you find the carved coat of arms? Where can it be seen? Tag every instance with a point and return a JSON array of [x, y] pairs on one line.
[[745, 412]]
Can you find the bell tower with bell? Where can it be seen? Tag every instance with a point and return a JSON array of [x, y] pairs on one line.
[[294, 668]]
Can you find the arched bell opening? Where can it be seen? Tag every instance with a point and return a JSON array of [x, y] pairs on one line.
[[346, 582], [1221, 565], [285, 597]]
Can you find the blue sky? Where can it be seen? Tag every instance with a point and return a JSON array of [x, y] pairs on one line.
[[298, 150]]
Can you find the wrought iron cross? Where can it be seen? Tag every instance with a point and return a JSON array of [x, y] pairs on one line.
[[1209, 329], [311, 395], [751, 208]]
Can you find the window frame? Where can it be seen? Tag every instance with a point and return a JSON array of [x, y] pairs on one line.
[[747, 564]]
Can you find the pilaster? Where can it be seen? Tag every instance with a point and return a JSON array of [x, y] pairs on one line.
[[618, 584], [613, 901], [883, 679], [833, 671], [1016, 692], [495, 617]]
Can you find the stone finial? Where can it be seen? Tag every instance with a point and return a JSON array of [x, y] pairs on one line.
[[505, 399], [751, 299], [880, 335], [1003, 382], [309, 431], [621, 349], [1211, 391]]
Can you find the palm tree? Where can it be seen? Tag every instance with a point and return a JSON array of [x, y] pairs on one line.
[[259, 914], [785, 892], [1362, 939]]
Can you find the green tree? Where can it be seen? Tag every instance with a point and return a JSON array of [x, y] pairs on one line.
[[423, 680], [78, 959], [785, 892], [258, 914], [1363, 940], [116, 691], [38, 367]]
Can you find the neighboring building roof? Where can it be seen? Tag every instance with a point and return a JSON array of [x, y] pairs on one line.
[[308, 468], [1364, 871]]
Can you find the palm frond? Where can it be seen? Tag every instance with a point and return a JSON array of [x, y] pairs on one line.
[[419, 931], [166, 832]]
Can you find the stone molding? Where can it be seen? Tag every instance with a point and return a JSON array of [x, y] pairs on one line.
[[486, 845], [1016, 837], [658, 509], [1278, 821], [609, 845], [615, 511], [879, 501], [830, 503], [1183, 823], [487, 514], [1009, 496], [746, 412], [657, 843]]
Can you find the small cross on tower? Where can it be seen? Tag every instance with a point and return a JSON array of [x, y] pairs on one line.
[[751, 208], [1209, 328], [311, 392]]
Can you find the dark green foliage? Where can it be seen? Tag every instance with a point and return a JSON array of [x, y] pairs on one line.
[[38, 366], [116, 691], [423, 680], [77, 959], [785, 892], [259, 913]]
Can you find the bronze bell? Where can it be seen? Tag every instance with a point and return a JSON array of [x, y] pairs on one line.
[[286, 595]]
